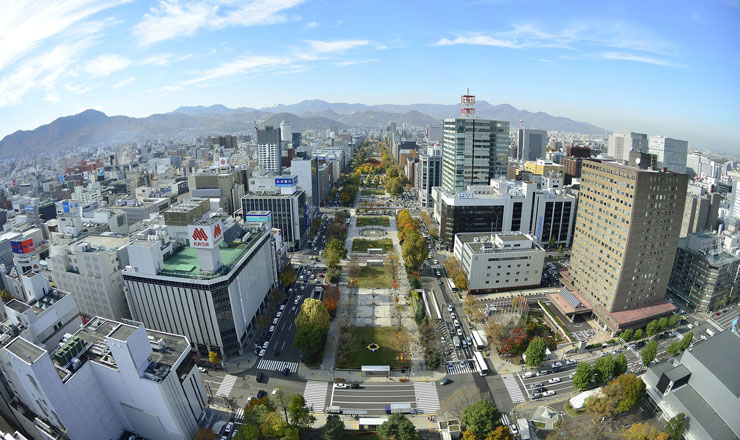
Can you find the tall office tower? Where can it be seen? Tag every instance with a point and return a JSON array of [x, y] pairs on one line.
[[428, 175], [306, 170], [285, 134], [531, 144], [269, 149], [627, 229], [622, 142], [671, 152], [734, 200], [434, 133], [296, 139], [473, 152]]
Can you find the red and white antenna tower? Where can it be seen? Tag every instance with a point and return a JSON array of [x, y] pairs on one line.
[[468, 105]]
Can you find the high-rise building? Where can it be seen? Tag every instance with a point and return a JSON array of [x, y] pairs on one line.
[[473, 152], [269, 149], [428, 174], [286, 134], [671, 152], [289, 213], [700, 213], [296, 140], [531, 144], [622, 142], [626, 234], [306, 170]]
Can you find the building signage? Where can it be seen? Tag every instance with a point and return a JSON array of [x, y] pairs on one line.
[[465, 195], [286, 181], [206, 236], [24, 246]]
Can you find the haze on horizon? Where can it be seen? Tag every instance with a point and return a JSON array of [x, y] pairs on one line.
[[667, 68]]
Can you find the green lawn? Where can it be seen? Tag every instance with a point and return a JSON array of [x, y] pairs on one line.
[[372, 192], [361, 245], [358, 355], [373, 221], [360, 435], [373, 277]]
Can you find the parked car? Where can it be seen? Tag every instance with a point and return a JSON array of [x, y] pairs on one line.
[[450, 307], [340, 385], [535, 385], [262, 352], [690, 326], [554, 380], [528, 374], [543, 373], [229, 426], [278, 314], [261, 394], [570, 376], [445, 381], [616, 351], [571, 362], [201, 369], [549, 393], [260, 376], [282, 307], [355, 386], [513, 429], [275, 321], [266, 344], [536, 395], [557, 364], [272, 328], [275, 391]]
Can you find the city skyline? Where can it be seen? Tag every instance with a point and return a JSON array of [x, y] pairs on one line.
[[615, 66]]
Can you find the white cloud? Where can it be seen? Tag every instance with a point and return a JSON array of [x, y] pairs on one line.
[[311, 25], [52, 97], [623, 56], [184, 57], [124, 82], [479, 40], [175, 18], [240, 66], [106, 64], [159, 59], [321, 47], [353, 62]]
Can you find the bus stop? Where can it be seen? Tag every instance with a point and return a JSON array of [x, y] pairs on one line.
[[376, 370]]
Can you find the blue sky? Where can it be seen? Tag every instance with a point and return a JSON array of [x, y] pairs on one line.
[[658, 67]]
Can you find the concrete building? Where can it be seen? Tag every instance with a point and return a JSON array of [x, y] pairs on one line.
[[286, 134], [106, 379], [498, 262], [308, 178], [138, 210], [506, 206], [700, 213], [671, 152], [531, 144], [211, 291], [704, 276], [269, 149], [625, 241], [703, 384], [90, 267], [473, 152], [225, 188], [543, 167], [428, 174], [289, 213], [324, 182], [621, 143]]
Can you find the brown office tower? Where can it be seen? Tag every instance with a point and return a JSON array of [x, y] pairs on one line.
[[627, 229]]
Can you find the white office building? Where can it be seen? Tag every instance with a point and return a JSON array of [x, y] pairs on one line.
[[621, 143], [531, 144], [502, 261], [672, 153], [269, 149]]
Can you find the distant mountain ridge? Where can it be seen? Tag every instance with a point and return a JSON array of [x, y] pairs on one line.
[[92, 127]]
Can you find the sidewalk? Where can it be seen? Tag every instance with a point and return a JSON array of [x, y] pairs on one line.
[[421, 422]]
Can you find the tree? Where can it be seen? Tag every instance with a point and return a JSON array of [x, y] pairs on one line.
[[629, 389], [643, 431], [495, 332], [404, 218], [332, 258], [461, 281], [686, 341], [287, 276], [458, 401], [674, 320], [584, 376], [620, 365], [415, 283], [603, 369], [552, 242], [391, 265], [300, 414], [627, 335], [652, 327], [415, 250], [469, 304], [282, 399], [393, 172], [480, 417], [674, 348], [247, 432], [276, 296], [311, 338], [662, 324], [569, 430], [205, 434], [399, 313], [536, 352], [214, 358], [560, 249], [432, 358], [353, 268], [397, 427], [344, 197], [312, 312], [649, 352], [272, 425], [676, 426], [394, 186], [638, 334], [315, 226], [337, 245], [500, 433], [333, 429]]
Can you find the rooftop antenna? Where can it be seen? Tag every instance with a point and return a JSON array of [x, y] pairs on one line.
[[468, 105]]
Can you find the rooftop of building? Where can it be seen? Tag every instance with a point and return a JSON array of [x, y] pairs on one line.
[[487, 242], [99, 241], [25, 350], [720, 358], [272, 193], [38, 306], [701, 412], [713, 256]]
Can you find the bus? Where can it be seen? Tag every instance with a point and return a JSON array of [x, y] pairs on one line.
[[456, 341], [478, 340], [480, 362], [451, 285]]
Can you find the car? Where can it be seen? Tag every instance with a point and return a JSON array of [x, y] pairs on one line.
[[282, 306], [554, 380], [690, 326], [557, 364], [266, 344], [570, 376], [543, 373], [272, 329], [450, 307], [260, 376], [452, 315], [261, 394], [262, 352], [640, 344], [439, 281], [442, 339], [224, 437], [296, 301], [293, 309], [445, 381], [571, 362], [285, 372], [250, 398], [606, 353], [536, 395], [535, 385], [436, 272], [632, 346], [703, 338], [299, 297], [457, 323], [201, 369], [549, 393], [278, 314], [459, 332], [435, 262], [275, 321], [340, 385], [696, 323], [718, 313], [355, 386], [513, 429], [275, 391], [527, 375], [464, 342], [616, 351]]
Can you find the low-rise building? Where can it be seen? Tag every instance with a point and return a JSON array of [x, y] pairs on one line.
[[497, 262]]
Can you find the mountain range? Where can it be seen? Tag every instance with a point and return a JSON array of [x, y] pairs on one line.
[[92, 127]]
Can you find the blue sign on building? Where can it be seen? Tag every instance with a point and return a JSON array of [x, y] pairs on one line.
[[286, 181], [65, 206]]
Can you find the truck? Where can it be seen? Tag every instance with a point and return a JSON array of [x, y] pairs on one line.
[[456, 341], [710, 332], [399, 408]]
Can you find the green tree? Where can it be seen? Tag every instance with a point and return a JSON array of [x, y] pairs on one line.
[[629, 389], [638, 334], [276, 296], [432, 358], [315, 226], [247, 432], [603, 369], [415, 250], [584, 376], [480, 417], [536, 352], [674, 320], [627, 335], [674, 348], [333, 429], [649, 352], [552, 242], [393, 172], [394, 186], [214, 358], [312, 312], [332, 258], [461, 282], [686, 340], [620, 365], [299, 413], [652, 328], [676, 426], [560, 249], [663, 324], [310, 337], [287, 276], [272, 425], [397, 427]]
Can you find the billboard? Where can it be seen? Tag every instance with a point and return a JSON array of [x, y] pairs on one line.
[[23, 246], [286, 181], [206, 235]]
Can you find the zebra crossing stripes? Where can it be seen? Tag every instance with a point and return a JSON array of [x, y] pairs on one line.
[[273, 365], [239, 415], [315, 395], [226, 385], [456, 368], [427, 400], [512, 386]]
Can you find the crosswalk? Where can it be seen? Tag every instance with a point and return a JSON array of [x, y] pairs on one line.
[[427, 400], [512, 386], [315, 395], [273, 365], [226, 385], [239, 416], [457, 368]]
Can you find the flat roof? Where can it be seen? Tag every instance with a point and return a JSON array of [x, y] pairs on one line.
[[25, 350], [185, 261], [700, 412], [720, 357], [123, 332]]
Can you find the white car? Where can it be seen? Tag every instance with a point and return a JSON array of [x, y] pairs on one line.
[[528, 374], [457, 323], [201, 369], [278, 314], [554, 380], [452, 315], [690, 326], [262, 352], [275, 391], [557, 364], [229, 427], [272, 328], [549, 393], [293, 309], [266, 344], [340, 385], [282, 306], [459, 332], [570, 376], [449, 307], [275, 321]]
